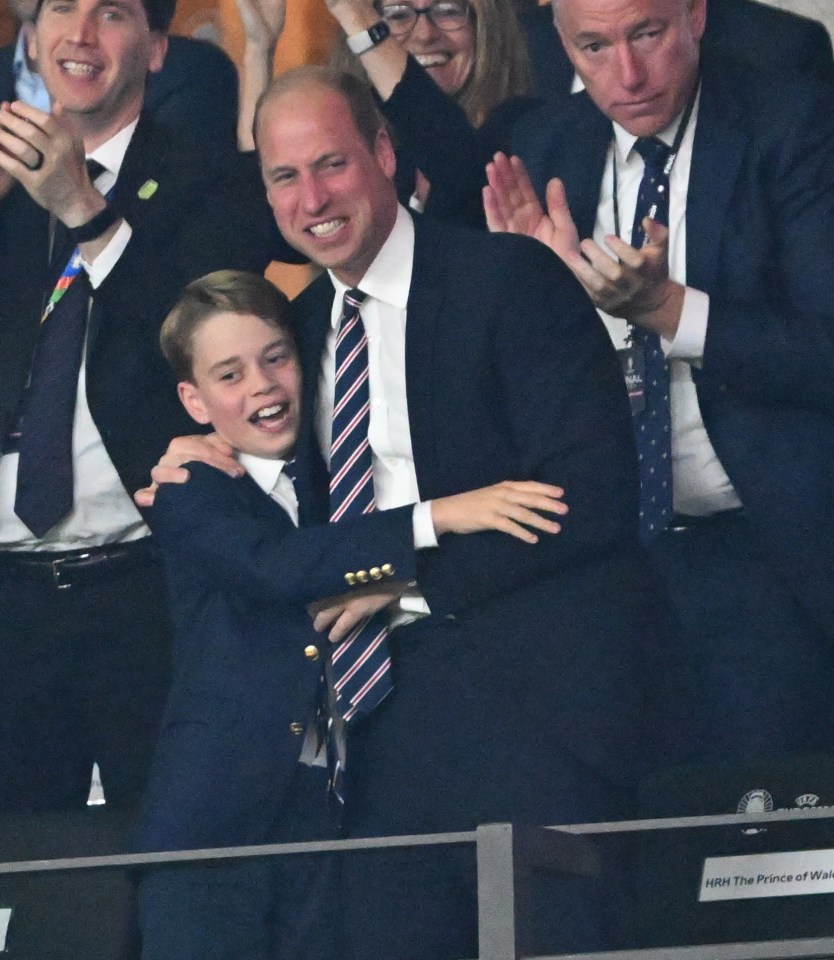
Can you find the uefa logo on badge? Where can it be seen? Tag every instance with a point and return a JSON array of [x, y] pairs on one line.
[[755, 801], [806, 801]]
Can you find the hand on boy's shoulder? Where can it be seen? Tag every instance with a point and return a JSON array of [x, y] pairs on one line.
[[204, 448]]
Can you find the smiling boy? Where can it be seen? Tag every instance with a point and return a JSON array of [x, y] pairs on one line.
[[247, 661]]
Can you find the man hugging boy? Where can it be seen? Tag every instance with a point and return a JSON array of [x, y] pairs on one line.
[[241, 758]]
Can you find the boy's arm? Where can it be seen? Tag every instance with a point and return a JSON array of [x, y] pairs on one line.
[[209, 524]]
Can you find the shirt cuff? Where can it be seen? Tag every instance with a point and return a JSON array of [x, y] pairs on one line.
[[689, 341], [100, 268], [424, 532]]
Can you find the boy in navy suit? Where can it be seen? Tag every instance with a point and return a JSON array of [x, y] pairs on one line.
[[247, 662]]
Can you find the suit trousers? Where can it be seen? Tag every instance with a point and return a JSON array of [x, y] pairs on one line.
[[269, 908], [446, 751], [86, 666], [760, 677]]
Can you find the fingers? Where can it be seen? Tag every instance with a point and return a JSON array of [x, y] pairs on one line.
[[146, 496], [492, 211], [20, 140], [510, 202], [165, 474], [209, 449]]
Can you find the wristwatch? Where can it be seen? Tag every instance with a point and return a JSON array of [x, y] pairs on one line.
[[95, 226], [362, 42]]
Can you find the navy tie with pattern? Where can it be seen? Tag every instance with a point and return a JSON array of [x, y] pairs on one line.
[[361, 664], [44, 493], [653, 425]]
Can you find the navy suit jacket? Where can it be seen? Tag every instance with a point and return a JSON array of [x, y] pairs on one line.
[[194, 94], [748, 32], [240, 574], [759, 241], [199, 218], [510, 375]]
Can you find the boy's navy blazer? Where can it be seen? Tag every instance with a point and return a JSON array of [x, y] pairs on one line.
[[759, 241], [240, 574]]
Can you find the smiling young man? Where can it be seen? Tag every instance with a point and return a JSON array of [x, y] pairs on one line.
[[722, 320], [91, 262]]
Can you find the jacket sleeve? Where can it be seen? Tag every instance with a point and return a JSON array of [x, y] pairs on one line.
[[209, 523]]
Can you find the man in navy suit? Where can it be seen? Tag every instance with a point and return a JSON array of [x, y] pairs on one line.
[[84, 619], [520, 691], [194, 94], [745, 31], [739, 291]]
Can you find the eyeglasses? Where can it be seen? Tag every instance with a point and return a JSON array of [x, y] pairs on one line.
[[446, 15]]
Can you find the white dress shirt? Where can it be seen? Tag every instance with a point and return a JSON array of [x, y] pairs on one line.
[[701, 485], [271, 478], [386, 284], [103, 512]]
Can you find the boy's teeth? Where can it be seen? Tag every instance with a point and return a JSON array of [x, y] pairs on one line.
[[270, 411]]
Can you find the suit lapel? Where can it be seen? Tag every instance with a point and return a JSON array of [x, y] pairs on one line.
[[716, 159], [425, 305], [582, 163], [312, 309], [144, 160]]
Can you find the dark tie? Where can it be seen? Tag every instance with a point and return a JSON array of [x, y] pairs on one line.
[[45, 472], [361, 664], [653, 425]]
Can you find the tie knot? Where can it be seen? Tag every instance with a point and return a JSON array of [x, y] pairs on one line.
[[95, 170], [290, 470], [654, 152], [353, 299]]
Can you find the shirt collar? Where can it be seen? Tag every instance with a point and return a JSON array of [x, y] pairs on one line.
[[388, 278], [264, 472], [111, 153], [625, 141]]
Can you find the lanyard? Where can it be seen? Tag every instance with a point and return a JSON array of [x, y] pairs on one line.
[[68, 274], [670, 162]]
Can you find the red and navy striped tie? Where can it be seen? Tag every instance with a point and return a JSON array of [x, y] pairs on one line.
[[361, 663]]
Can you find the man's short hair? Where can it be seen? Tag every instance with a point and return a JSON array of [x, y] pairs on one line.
[[224, 291], [357, 93], [159, 13]]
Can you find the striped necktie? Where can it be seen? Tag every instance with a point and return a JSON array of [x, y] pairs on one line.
[[653, 425], [361, 664]]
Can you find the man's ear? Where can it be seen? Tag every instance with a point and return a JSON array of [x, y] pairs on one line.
[[159, 47], [384, 153], [189, 394], [698, 18]]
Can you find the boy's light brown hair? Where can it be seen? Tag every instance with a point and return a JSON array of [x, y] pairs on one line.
[[224, 291]]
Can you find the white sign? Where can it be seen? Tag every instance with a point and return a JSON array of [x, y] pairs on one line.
[[5, 916], [791, 874]]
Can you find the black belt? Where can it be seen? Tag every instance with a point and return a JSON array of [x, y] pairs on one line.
[[64, 568], [682, 522]]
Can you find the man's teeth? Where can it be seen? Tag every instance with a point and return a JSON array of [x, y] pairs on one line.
[[326, 229], [78, 69], [431, 59]]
